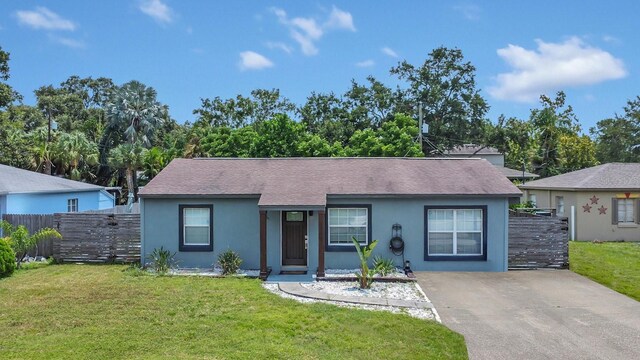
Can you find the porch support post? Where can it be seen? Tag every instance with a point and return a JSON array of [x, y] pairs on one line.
[[321, 241], [263, 245]]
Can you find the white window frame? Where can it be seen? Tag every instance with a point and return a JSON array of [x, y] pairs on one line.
[[455, 233], [560, 205], [72, 205], [329, 226], [633, 215], [184, 227]]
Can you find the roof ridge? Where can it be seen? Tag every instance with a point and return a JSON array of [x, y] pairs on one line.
[[593, 174], [335, 158]]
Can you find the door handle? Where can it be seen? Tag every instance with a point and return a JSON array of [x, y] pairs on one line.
[[306, 242]]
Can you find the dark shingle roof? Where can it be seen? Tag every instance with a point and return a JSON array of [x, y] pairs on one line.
[[612, 176], [14, 180], [308, 181]]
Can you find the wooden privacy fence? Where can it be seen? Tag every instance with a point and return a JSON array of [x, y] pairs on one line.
[[97, 238], [538, 241], [34, 223]]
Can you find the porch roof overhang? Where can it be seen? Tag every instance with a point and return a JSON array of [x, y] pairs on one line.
[[292, 201]]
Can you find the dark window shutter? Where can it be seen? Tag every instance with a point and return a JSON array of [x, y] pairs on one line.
[[636, 210], [614, 211]]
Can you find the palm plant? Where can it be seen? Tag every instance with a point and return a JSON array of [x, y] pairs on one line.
[[41, 151], [365, 276], [129, 157], [136, 109], [76, 153]]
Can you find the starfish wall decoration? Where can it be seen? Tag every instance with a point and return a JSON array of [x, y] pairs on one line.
[[586, 208], [602, 210], [594, 199]]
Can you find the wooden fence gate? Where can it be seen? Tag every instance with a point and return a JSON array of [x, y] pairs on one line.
[[97, 238], [538, 241]]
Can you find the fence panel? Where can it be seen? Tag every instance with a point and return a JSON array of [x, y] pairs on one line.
[[97, 238], [538, 241], [34, 223]]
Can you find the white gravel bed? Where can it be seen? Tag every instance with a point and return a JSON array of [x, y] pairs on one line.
[[211, 272], [425, 314], [387, 290], [337, 273]]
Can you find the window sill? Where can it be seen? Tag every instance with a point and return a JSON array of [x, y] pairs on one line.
[[196, 248], [455, 258], [627, 225]]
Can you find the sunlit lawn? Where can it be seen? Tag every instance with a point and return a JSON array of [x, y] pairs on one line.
[[615, 265], [102, 312]]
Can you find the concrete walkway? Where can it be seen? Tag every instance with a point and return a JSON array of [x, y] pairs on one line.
[[543, 314], [298, 290]]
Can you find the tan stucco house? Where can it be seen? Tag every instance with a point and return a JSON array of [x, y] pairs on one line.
[[601, 202]]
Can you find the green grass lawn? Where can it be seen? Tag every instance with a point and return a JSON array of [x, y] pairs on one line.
[[615, 265], [102, 312]]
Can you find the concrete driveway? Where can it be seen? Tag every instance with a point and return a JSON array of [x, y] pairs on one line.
[[541, 314]]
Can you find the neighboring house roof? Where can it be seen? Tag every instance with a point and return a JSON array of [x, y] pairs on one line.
[[308, 181], [14, 180], [471, 149], [514, 174], [612, 176]]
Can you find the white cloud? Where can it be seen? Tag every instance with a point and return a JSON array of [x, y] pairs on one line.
[[158, 10], [43, 18], [339, 19], [68, 42], [306, 31], [250, 60], [552, 67], [469, 11], [389, 51], [365, 63], [280, 46], [611, 39]]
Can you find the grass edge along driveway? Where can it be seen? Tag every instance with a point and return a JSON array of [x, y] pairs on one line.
[[612, 264], [88, 311]]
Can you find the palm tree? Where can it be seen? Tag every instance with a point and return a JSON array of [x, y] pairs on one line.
[[136, 109], [129, 157], [76, 153]]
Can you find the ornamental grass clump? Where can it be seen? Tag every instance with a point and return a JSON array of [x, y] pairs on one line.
[[230, 262], [383, 266], [365, 276], [162, 260]]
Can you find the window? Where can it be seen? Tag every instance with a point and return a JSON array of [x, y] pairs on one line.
[[294, 216], [560, 205], [533, 199], [72, 205], [625, 211], [346, 222], [455, 234], [196, 231]]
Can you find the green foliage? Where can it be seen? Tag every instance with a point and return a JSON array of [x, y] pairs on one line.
[[162, 260], [383, 266], [525, 205], [7, 258], [135, 270], [396, 138], [365, 276], [452, 105], [617, 139], [21, 241], [230, 262]]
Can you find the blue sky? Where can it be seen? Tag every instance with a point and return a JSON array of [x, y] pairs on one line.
[[192, 49]]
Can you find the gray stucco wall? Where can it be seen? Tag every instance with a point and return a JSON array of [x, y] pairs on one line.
[[237, 227]]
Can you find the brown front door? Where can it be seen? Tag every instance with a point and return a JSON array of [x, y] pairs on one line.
[[294, 236]]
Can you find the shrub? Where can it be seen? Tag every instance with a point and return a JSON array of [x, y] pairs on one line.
[[365, 276], [162, 260], [383, 266], [229, 261], [21, 241], [135, 269], [7, 259]]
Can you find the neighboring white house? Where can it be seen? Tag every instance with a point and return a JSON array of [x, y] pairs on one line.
[[493, 156]]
